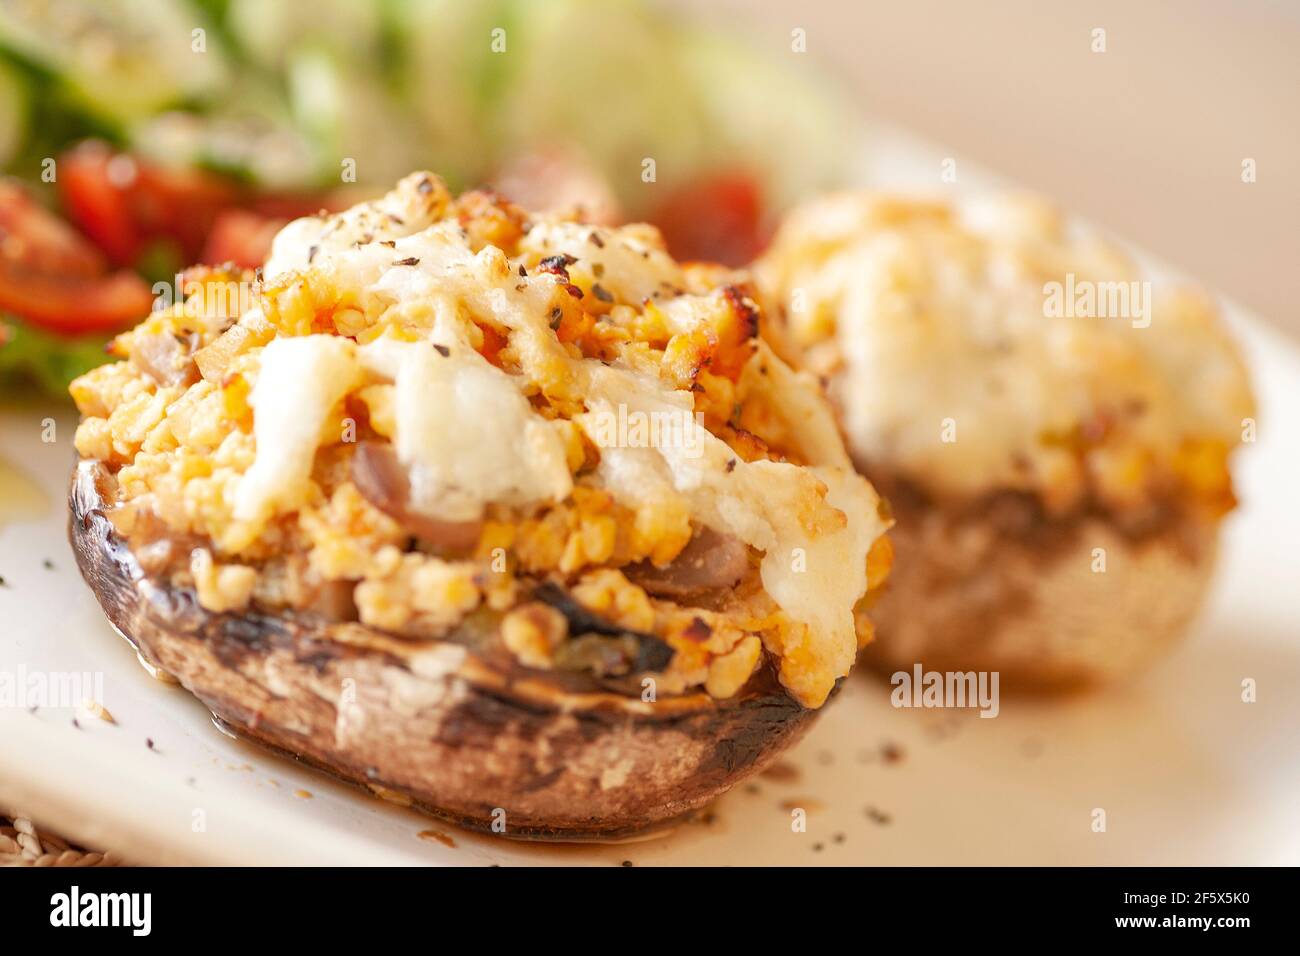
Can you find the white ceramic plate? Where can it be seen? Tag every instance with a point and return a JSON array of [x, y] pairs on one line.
[[1186, 771]]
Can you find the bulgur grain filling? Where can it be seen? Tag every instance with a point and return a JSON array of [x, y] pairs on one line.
[[442, 416]]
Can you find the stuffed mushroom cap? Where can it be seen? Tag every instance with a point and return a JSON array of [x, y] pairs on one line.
[[433, 422], [1030, 402]]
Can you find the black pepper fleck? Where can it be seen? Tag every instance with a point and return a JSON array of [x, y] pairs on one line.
[[408, 261], [442, 350], [601, 293], [557, 263], [731, 466]]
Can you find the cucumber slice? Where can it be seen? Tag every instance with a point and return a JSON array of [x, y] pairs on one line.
[[14, 113], [348, 116], [451, 79], [271, 32], [120, 59], [605, 75], [776, 118], [254, 147]]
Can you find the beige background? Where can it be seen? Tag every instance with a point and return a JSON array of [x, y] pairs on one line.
[[1146, 139]]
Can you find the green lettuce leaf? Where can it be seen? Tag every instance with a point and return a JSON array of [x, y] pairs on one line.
[[31, 358]]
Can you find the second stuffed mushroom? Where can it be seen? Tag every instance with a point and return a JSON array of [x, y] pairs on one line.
[[1052, 428]]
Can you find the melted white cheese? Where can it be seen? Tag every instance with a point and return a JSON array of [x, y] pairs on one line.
[[465, 431], [401, 213], [633, 265], [298, 384]]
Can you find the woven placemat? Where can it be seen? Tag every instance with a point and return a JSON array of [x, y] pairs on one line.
[[22, 843]]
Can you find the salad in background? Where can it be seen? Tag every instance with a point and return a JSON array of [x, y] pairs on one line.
[[140, 136]]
